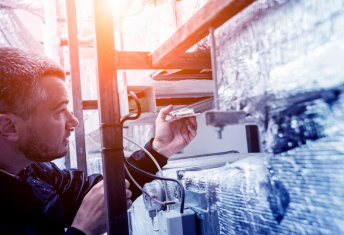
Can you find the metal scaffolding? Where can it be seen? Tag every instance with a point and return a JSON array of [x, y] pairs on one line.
[[171, 55]]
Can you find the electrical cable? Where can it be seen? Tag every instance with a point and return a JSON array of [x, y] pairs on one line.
[[146, 151], [93, 141], [207, 154], [152, 158], [133, 142], [182, 191], [132, 178], [138, 145], [142, 189], [138, 105]]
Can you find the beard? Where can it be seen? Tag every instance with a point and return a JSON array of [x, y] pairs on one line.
[[36, 150]]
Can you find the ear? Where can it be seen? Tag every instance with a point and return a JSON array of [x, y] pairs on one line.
[[8, 127]]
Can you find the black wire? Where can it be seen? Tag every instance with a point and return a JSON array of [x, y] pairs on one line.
[[148, 195], [182, 191], [206, 155], [138, 105]]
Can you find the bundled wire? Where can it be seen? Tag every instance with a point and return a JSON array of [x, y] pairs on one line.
[[132, 178], [145, 150], [152, 158], [138, 105], [144, 191], [127, 163], [182, 191]]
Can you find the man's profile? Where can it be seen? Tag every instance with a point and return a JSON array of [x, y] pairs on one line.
[[35, 123]]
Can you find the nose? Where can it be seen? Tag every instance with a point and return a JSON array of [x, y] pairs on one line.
[[72, 121]]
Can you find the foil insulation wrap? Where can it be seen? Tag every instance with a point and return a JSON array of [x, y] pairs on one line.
[[280, 62]]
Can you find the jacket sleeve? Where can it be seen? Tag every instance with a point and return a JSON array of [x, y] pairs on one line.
[[142, 161], [71, 185]]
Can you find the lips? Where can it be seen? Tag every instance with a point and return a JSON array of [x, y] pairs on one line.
[[66, 139]]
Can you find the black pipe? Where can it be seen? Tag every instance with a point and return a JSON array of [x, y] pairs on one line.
[[109, 116]]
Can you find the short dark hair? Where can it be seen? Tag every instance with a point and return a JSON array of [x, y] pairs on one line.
[[20, 74]]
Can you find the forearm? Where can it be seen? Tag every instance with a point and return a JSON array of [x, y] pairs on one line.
[[141, 160]]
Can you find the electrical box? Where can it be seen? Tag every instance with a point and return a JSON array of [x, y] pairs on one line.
[[172, 222]]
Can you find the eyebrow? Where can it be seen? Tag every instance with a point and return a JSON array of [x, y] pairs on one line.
[[60, 104]]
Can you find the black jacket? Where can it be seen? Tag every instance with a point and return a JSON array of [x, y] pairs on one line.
[[44, 199]]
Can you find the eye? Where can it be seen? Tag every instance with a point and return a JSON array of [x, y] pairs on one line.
[[62, 111]]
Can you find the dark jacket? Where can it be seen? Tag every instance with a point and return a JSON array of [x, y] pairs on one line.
[[44, 199]]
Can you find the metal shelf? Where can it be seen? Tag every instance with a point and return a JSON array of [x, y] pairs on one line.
[[171, 55], [213, 14]]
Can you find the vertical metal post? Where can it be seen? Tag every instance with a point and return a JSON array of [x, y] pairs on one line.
[[76, 85], [214, 67], [109, 115], [214, 73]]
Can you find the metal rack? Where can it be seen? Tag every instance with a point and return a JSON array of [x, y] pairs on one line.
[[170, 55]]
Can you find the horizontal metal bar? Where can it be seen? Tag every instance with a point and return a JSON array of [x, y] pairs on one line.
[[93, 105], [213, 14], [176, 77], [89, 104], [143, 60], [180, 101]]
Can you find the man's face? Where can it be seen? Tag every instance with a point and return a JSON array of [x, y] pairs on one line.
[[46, 131]]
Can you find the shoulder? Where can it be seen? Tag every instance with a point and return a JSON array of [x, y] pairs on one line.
[[43, 167], [42, 170]]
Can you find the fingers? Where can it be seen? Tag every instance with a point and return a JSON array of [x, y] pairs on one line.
[[128, 193], [188, 128], [164, 112], [127, 183], [191, 125], [192, 131], [193, 121], [129, 203], [184, 129]]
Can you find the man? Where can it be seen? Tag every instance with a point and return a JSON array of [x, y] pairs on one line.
[[37, 197]]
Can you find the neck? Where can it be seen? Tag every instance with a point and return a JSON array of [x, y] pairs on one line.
[[12, 170], [7, 173], [12, 162]]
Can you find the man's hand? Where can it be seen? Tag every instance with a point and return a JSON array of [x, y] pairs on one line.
[[171, 137], [128, 194], [91, 216]]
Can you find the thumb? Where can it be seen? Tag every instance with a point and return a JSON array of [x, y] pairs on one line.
[[164, 112]]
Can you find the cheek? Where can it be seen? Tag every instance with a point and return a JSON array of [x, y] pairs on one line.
[[59, 128], [53, 129]]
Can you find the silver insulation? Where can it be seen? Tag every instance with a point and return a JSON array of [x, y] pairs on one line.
[[280, 62]]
